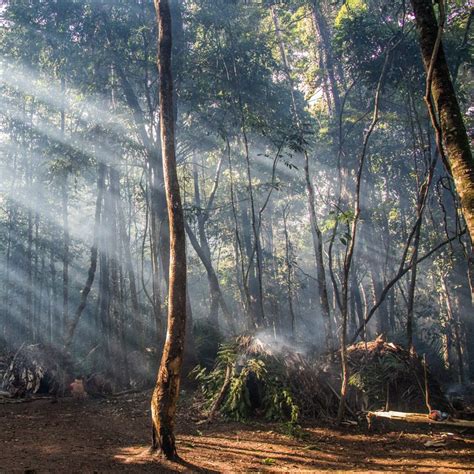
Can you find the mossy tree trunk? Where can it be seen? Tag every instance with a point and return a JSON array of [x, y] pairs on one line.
[[450, 121]]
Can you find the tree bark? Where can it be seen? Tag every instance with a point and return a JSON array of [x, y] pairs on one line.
[[166, 393], [450, 121]]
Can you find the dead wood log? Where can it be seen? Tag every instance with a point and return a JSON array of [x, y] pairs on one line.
[[417, 418]]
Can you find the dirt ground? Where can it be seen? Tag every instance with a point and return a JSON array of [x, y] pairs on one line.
[[112, 435]]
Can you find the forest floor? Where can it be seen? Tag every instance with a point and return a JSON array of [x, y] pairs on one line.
[[112, 435]]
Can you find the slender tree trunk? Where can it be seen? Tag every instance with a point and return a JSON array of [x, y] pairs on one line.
[[466, 315], [93, 260], [155, 269], [315, 230], [326, 49], [349, 255], [449, 116], [159, 227], [214, 287], [317, 239], [41, 323], [6, 329], [65, 216], [391, 311], [54, 320], [36, 284], [250, 274], [155, 297], [130, 271], [358, 300], [259, 306], [66, 238], [412, 286], [166, 393], [242, 276], [119, 350], [289, 273], [453, 325], [104, 283], [204, 245], [29, 283]]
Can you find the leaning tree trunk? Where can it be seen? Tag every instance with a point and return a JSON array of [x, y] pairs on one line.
[[165, 395], [450, 121]]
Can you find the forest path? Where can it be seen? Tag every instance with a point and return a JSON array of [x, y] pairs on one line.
[[112, 435]]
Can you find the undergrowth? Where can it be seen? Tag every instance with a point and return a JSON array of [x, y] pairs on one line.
[[257, 386]]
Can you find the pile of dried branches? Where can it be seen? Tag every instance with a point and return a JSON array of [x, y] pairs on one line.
[[255, 377], [37, 369], [385, 375], [250, 373], [313, 383]]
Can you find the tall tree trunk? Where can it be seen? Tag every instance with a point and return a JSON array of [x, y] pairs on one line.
[[454, 326], [29, 283], [250, 274], [159, 227], [349, 255], [449, 117], [104, 279], [93, 261], [41, 323], [166, 393], [214, 287], [412, 285], [130, 272], [54, 332], [242, 280], [119, 350], [317, 239], [6, 328], [65, 212], [469, 305], [289, 272], [315, 230], [206, 252], [326, 49], [155, 269], [256, 224], [65, 216], [37, 285]]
